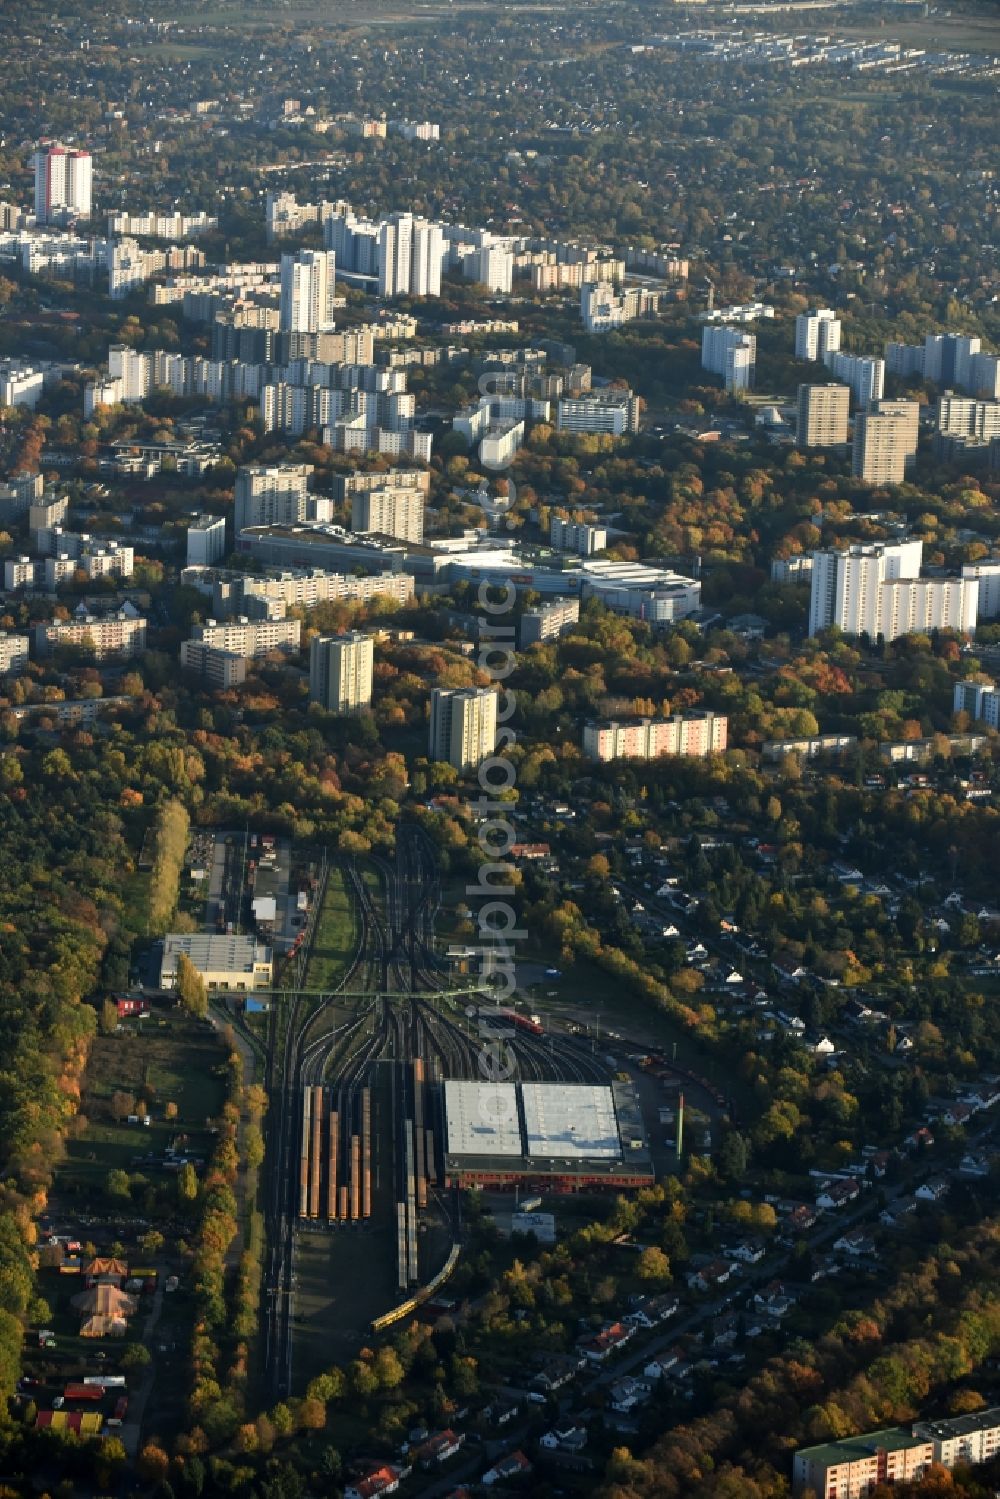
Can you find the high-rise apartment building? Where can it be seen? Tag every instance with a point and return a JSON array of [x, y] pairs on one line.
[[950, 359], [731, 353], [877, 590], [272, 495], [817, 334], [206, 540], [863, 374], [496, 268], [21, 384], [391, 511], [965, 416], [63, 181], [822, 416], [216, 667], [881, 448], [908, 412], [988, 574], [463, 725], [426, 258], [340, 671], [308, 288], [345, 486], [410, 255]]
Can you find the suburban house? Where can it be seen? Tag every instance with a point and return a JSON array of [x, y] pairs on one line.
[[715, 1273], [857, 1244], [438, 1448], [802, 1218], [662, 1365], [625, 1394], [774, 1299], [612, 1336], [557, 1370], [382, 1480], [564, 1438], [514, 1465], [747, 1251], [973, 1164], [499, 1412], [837, 1194], [933, 1189], [895, 1211], [653, 1311]]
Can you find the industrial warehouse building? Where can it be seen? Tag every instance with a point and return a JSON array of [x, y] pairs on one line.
[[238, 963], [561, 1137]]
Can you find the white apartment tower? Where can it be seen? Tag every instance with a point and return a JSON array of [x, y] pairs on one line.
[[410, 256], [877, 590], [817, 334], [308, 284], [988, 574], [496, 269], [862, 373], [463, 725], [340, 671], [62, 184], [426, 258], [731, 353]]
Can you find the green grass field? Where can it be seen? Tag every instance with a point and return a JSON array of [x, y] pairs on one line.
[[173, 1059], [336, 934]]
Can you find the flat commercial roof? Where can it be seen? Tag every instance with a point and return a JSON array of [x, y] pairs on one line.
[[568, 1122], [482, 1119], [213, 954]]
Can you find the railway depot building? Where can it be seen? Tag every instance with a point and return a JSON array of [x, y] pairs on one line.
[[228, 963], [558, 1137]]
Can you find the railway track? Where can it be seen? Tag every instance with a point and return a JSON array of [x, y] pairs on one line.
[[331, 1075]]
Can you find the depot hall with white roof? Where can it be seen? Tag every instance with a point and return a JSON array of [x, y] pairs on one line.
[[561, 1137]]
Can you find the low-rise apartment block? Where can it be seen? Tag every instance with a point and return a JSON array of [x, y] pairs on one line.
[[248, 637], [21, 572], [13, 655], [548, 621], [609, 410], [981, 700], [217, 668], [696, 734], [852, 1467], [576, 537], [108, 637]]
